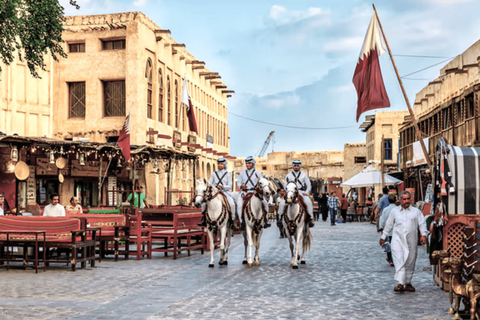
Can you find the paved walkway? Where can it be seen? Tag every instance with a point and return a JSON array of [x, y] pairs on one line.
[[346, 277]]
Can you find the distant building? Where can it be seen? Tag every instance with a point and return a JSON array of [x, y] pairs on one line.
[[382, 140]]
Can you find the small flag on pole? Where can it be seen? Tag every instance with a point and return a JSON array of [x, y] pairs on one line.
[[192, 123], [124, 138], [368, 77]]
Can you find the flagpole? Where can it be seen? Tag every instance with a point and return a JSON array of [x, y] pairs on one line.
[[414, 120]]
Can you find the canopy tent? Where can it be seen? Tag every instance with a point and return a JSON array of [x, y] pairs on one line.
[[368, 177]]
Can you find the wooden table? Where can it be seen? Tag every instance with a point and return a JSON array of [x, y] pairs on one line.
[[34, 239]]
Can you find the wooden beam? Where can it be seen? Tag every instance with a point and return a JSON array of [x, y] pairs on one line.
[[159, 34], [195, 62], [212, 77], [228, 91], [178, 45], [198, 67], [208, 73], [221, 87]]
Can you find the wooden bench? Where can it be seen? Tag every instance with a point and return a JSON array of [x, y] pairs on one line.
[[61, 233], [176, 229], [113, 229]]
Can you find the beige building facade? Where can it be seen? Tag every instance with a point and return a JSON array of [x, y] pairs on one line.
[[26, 102], [120, 64]]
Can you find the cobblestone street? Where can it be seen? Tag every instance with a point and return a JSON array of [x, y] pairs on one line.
[[346, 277]]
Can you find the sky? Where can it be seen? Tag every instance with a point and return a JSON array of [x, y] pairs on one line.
[[291, 62]]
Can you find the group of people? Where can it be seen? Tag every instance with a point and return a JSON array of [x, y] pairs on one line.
[[249, 178]]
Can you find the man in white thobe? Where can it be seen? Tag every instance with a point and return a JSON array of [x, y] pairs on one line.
[[54, 209], [404, 222], [246, 182]]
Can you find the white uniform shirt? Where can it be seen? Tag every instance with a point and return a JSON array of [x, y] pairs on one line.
[[221, 178], [302, 180], [1, 212], [250, 178], [54, 211]]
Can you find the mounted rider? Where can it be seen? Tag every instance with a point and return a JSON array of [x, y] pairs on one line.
[[222, 180], [246, 182], [304, 188]]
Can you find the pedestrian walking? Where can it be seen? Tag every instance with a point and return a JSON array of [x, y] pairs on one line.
[[333, 204], [404, 222], [392, 199], [344, 207]]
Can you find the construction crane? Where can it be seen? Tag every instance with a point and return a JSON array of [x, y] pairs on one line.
[[265, 144]]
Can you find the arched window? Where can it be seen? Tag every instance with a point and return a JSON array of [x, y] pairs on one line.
[[148, 75], [169, 104], [176, 105], [160, 96]]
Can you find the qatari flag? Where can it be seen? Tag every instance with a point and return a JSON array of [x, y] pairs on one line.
[[192, 123], [124, 138], [368, 77]]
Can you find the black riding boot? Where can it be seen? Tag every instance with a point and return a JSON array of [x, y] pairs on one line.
[[309, 221], [202, 223]]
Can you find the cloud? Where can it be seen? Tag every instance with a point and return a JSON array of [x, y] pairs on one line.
[[140, 3], [279, 15]]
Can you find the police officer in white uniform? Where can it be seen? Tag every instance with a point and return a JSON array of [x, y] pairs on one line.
[[304, 188], [222, 180], [246, 182]]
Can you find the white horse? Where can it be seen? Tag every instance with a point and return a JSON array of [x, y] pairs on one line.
[[217, 218], [294, 214], [254, 216]]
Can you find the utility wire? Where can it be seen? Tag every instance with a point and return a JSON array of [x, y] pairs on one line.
[[413, 56], [292, 127], [433, 65]]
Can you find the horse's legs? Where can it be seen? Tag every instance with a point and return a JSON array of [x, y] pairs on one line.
[[227, 244], [250, 246], [221, 233], [245, 244], [212, 248], [304, 244], [290, 241], [257, 247], [298, 236]]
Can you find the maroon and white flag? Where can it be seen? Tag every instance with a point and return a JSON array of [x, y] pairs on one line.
[[192, 123], [124, 138], [368, 77]]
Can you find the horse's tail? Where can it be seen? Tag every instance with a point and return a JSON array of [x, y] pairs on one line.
[[307, 241]]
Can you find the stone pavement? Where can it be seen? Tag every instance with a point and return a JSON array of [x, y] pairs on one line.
[[346, 277]]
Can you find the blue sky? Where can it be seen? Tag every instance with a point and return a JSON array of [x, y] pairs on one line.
[[291, 63]]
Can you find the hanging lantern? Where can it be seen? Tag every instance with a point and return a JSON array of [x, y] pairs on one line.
[[52, 157], [61, 150], [14, 154], [119, 163], [81, 159], [155, 164]]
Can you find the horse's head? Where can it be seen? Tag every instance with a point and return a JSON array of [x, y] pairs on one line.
[[200, 192], [292, 192], [263, 188]]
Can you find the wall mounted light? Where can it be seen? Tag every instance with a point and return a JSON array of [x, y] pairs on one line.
[[81, 159], [52, 157], [14, 154]]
